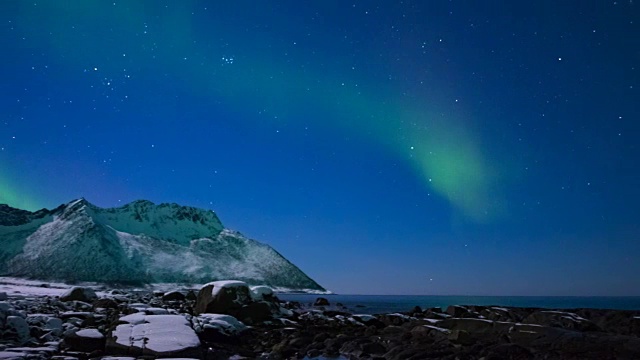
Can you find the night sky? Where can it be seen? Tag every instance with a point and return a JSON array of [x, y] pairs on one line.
[[384, 147]]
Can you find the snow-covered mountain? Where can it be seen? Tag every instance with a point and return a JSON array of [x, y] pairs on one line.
[[137, 243]]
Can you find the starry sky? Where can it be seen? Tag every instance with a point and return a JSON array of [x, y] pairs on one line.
[[384, 147]]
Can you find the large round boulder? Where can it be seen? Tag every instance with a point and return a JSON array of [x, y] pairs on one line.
[[79, 293], [173, 296], [321, 302], [223, 297]]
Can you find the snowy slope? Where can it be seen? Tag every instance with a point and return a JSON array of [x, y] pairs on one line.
[[137, 243]]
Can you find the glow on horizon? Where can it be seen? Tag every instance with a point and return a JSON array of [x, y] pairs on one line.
[[16, 197]]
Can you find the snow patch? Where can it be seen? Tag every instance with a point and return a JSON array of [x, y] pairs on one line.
[[90, 333], [219, 285], [259, 292]]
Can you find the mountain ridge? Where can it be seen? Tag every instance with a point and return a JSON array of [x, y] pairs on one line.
[[139, 242]]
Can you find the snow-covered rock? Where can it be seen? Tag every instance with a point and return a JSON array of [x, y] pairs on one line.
[[222, 297], [155, 335], [12, 355], [137, 243], [261, 292], [217, 327]]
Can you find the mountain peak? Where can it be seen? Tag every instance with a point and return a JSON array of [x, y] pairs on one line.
[[140, 242]]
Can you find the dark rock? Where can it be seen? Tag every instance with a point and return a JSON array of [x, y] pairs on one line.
[[393, 319], [416, 311], [373, 348], [392, 329], [430, 332], [566, 320], [461, 337], [16, 329], [508, 352], [105, 303], [321, 302], [321, 337], [468, 325], [314, 353], [191, 295], [499, 314], [173, 296], [456, 310], [87, 340], [334, 313], [255, 312], [300, 342], [80, 294]]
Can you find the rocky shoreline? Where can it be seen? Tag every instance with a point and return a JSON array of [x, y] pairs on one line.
[[229, 320]]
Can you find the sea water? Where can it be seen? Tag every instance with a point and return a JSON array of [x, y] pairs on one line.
[[380, 304]]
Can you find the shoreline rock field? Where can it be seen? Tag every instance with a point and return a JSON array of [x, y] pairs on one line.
[[230, 320]]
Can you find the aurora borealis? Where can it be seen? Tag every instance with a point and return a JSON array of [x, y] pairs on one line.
[[383, 139]]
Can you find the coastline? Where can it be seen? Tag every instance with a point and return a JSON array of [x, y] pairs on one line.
[[255, 324]]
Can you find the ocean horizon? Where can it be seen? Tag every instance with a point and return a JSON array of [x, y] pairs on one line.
[[380, 304]]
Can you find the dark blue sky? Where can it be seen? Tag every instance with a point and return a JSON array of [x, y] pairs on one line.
[[385, 147]]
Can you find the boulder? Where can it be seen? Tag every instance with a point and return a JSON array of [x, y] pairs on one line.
[[191, 295], [431, 332], [469, 325], [154, 335], [461, 337], [16, 329], [217, 327], [79, 293], [394, 319], [262, 293], [86, 340], [223, 297], [456, 311], [499, 314], [46, 323], [3, 296], [529, 334], [562, 319], [255, 312], [321, 302], [173, 296], [362, 348], [368, 320], [105, 303]]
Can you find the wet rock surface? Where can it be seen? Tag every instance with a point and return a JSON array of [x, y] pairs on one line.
[[251, 323]]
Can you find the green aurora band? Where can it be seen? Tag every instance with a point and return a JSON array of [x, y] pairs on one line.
[[16, 197], [443, 150]]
